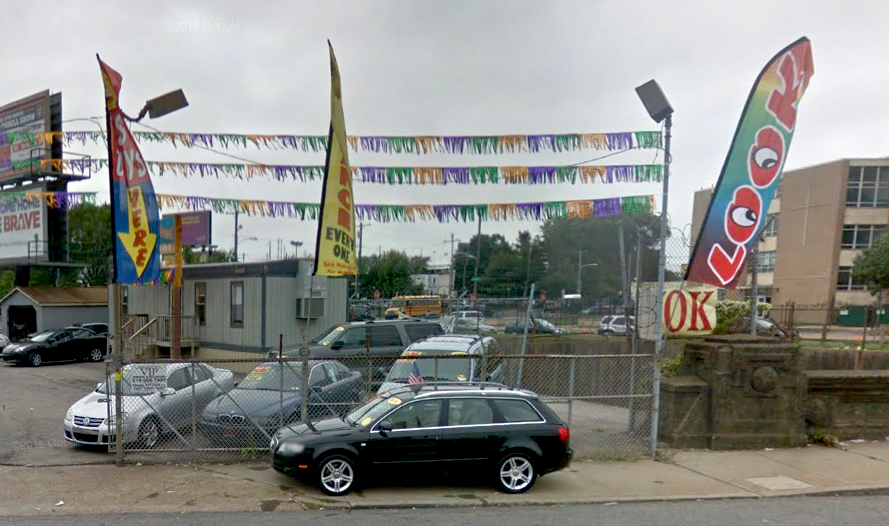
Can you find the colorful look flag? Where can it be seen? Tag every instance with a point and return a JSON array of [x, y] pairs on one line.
[[135, 216], [752, 169], [335, 244], [415, 377]]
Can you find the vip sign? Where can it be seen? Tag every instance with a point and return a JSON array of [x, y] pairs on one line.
[[690, 310]]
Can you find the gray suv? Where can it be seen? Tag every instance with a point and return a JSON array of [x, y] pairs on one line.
[[351, 343]]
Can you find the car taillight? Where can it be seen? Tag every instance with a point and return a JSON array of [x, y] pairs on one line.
[[564, 434]]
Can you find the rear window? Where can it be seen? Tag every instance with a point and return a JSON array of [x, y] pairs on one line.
[[515, 411], [418, 331]]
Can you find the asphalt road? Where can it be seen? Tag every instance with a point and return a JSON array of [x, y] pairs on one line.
[[800, 511], [33, 402]]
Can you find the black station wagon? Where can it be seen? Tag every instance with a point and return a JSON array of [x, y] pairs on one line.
[[509, 435]]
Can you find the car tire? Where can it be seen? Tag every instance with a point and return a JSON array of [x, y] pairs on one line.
[[149, 433], [336, 475], [35, 359], [96, 355], [516, 473]]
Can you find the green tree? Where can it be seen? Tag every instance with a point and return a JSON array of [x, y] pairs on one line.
[[391, 274], [872, 266], [192, 257], [89, 238]]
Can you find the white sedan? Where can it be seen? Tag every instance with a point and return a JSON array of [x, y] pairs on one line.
[[148, 412]]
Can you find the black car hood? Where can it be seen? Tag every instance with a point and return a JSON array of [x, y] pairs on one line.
[[23, 346], [326, 428]]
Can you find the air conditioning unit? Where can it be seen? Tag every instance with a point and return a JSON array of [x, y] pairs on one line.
[[309, 308]]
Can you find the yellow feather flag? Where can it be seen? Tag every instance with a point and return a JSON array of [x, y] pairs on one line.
[[335, 244]]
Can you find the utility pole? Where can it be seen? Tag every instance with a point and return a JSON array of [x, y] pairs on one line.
[[528, 269], [236, 235], [625, 293], [579, 270], [478, 250]]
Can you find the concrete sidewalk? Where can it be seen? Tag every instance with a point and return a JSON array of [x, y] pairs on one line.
[[683, 475]]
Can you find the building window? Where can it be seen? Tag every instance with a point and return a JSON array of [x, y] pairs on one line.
[[237, 304], [764, 295], [861, 236], [200, 302], [845, 281], [771, 226], [868, 187], [765, 261]]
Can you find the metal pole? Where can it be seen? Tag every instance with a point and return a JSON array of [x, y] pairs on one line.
[[659, 300], [304, 388], [754, 285], [571, 390], [579, 269], [478, 251], [281, 369], [194, 412], [236, 235], [360, 244], [528, 270], [638, 285], [525, 338], [176, 336]]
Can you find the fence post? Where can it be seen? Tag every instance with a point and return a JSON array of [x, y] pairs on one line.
[[632, 393], [526, 325], [281, 369], [571, 390], [194, 411], [828, 316]]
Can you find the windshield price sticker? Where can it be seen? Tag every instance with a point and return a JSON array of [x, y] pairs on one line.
[[147, 379], [461, 377], [366, 421], [394, 401], [258, 373]]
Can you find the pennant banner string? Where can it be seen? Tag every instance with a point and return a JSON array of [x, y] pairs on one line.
[[537, 211], [391, 175], [462, 144]]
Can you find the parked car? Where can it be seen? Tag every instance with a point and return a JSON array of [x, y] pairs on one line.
[[469, 325], [99, 328], [449, 358], [617, 325], [765, 327], [61, 345], [537, 326], [252, 411], [508, 436], [469, 317], [360, 314], [4, 341], [348, 343], [146, 417]]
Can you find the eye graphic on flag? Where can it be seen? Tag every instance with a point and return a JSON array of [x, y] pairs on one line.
[[415, 377]]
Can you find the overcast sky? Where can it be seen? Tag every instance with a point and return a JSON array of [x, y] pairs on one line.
[[450, 67]]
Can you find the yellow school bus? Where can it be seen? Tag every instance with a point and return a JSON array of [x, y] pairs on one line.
[[416, 306]]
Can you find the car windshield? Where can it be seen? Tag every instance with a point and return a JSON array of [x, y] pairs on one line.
[[396, 304], [448, 367], [268, 378], [365, 415], [328, 336], [43, 336]]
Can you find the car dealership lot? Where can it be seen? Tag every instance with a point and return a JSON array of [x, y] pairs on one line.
[[33, 402]]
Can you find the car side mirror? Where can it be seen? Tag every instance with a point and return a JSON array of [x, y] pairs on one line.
[[316, 389], [99, 385], [337, 345], [383, 428], [168, 391]]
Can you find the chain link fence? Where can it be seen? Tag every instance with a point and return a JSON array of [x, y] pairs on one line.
[[227, 411]]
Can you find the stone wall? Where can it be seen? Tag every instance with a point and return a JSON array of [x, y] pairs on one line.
[[737, 392]]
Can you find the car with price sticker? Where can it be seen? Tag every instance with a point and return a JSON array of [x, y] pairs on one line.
[[158, 399], [270, 397], [448, 358], [507, 436]]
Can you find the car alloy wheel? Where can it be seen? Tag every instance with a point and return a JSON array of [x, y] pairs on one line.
[[96, 355], [35, 359], [149, 434], [515, 473], [336, 475]]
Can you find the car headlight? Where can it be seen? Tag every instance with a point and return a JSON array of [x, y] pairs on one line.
[[124, 417], [291, 448], [69, 416]]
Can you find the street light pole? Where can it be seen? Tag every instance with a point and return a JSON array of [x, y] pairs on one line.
[[659, 109], [236, 235]]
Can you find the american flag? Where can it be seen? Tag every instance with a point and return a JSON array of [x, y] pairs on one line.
[[415, 377]]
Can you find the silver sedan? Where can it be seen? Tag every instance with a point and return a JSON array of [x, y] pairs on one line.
[[163, 405]]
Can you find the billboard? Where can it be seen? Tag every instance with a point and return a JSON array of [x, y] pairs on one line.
[[196, 230], [22, 145], [23, 228]]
